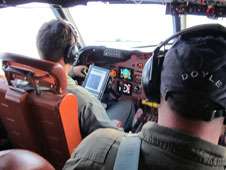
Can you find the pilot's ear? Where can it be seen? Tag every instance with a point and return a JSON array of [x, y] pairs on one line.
[[68, 68], [225, 122]]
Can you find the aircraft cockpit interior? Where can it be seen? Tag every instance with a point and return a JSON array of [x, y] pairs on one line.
[[117, 73], [115, 39], [125, 70]]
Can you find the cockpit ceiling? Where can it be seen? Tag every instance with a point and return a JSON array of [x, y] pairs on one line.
[[63, 3], [209, 8], [68, 3]]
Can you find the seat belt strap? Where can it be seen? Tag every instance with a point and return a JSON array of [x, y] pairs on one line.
[[128, 153]]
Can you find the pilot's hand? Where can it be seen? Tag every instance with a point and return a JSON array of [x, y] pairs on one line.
[[79, 71]]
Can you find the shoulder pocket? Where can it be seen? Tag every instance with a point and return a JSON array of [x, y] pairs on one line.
[[96, 146]]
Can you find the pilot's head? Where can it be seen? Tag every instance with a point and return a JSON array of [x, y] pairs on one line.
[[193, 75], [56, 40]]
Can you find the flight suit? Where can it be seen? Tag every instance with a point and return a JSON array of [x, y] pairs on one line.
[[162, 148], [92, 114]]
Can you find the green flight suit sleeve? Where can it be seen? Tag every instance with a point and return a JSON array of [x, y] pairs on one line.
[[96, 152], [92, 114]]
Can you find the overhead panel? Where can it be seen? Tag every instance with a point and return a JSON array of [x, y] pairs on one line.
[[209, 8]]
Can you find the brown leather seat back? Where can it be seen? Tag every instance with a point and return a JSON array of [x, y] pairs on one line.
[[43, 119], [58, 127], [17, 119]]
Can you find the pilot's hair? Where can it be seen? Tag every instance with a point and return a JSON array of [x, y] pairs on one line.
[[53, 38], [191, 105]]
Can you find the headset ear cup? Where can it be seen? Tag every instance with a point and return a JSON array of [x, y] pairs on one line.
[[70, 55], [151, 79], [146, 77]]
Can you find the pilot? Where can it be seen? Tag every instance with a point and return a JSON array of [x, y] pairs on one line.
[[52, 42], [191, 111]]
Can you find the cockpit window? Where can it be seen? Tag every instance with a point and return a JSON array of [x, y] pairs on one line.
[[193, 20], [122, 25], [20, 25]]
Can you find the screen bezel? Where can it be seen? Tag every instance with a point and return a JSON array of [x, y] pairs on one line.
[[104, 80]]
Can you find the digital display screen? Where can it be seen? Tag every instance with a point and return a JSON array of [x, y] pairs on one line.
[[125, 88], [125, 73], [95, 81]]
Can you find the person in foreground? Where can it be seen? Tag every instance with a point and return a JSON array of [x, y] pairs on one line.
[[55, 40], [191, 111]]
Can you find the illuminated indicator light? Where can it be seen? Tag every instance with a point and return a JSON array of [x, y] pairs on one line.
[[210, 10], [140, 65], [113, 73]]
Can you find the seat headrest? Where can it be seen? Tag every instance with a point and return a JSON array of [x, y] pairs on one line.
[[35, 71]]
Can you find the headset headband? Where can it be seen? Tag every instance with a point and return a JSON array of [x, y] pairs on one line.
[[197, 28]]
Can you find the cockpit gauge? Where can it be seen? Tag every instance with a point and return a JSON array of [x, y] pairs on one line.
[[125, 88], [125, 73], [137, 89], [113, 73]]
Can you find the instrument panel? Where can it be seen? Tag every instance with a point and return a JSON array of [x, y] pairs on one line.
[[126, 77], [125, 69]]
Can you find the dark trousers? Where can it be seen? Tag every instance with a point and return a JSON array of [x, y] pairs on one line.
[[123, 111]]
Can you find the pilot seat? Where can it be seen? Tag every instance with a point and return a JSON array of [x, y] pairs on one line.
[[35, 109]]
